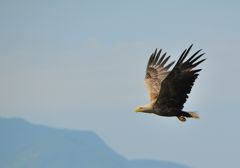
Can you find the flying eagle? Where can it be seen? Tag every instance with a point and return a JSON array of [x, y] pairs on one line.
[[168, 90]]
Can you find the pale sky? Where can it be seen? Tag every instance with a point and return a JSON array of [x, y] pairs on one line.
[[81, 64]]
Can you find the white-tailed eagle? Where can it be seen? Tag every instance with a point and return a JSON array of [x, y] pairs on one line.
[[168, 90]]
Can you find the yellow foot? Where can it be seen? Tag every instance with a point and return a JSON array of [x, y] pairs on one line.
[[182, 118]]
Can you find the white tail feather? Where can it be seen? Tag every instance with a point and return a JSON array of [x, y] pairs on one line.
[[194, 115]]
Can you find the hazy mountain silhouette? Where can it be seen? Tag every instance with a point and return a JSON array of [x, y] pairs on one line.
[[25, 145]]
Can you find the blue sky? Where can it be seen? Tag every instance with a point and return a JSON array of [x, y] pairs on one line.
[[81, 64]]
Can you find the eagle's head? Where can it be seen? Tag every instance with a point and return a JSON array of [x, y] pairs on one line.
[[146, 109]]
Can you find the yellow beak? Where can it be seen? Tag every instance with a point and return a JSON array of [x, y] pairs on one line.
[[138, 109]]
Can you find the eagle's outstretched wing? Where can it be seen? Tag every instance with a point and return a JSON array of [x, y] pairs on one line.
[[156, 73], [177, 85]]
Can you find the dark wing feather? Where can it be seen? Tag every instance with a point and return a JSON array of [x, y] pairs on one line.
[[155, 73], [177, 85]]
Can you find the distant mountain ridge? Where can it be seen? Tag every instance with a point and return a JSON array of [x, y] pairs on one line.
[[25, 145]]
